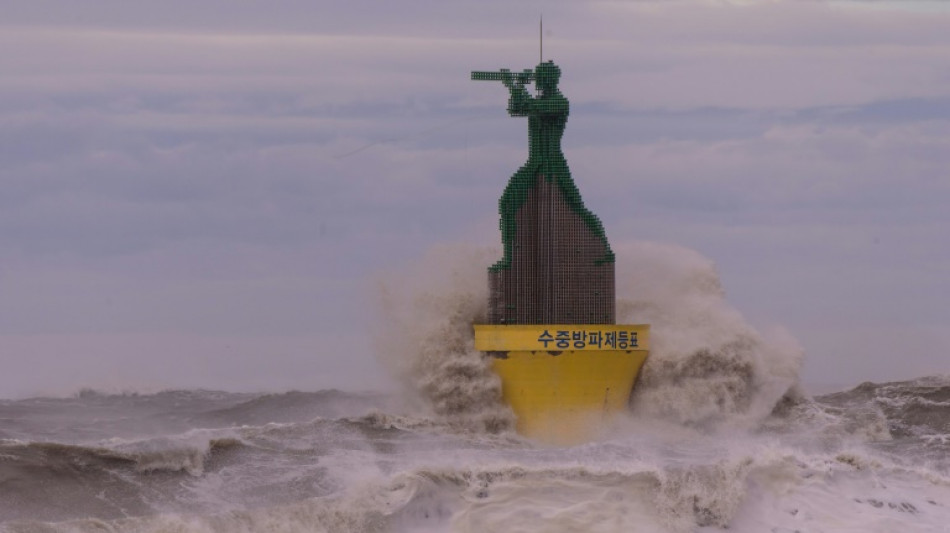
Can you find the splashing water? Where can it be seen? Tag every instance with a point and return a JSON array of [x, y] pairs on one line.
[[426, 337], [870, 459], [707, 365]]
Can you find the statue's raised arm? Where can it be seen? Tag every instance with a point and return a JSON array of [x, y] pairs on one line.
[[522, 104]]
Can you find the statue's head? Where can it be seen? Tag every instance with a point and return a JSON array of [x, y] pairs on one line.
[[547, 76]]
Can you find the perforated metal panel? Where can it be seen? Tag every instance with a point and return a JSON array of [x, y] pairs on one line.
[[557, 266], [556, 274]]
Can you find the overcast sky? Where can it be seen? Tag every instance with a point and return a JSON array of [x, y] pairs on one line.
[[201, 194]]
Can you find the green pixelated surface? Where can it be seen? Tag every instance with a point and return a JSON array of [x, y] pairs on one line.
[[547, 117]]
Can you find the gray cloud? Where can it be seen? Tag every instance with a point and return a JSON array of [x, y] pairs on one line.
[[193, 171]]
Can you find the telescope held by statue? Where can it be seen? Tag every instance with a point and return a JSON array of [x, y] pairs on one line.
[[504, 74]]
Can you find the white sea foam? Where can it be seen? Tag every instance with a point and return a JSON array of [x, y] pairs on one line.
[[807, 470], [717, 439], [745, 484], [707, 365], [425, 336]]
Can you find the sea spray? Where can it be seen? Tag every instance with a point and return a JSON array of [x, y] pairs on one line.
[[707, 365], [702, 495], [425, 337], [805, 472]]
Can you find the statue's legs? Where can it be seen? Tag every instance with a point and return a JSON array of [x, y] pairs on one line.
[[553, 270], [515, 195]]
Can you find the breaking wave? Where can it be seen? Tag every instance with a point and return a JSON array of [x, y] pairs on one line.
[[147, 456], [707, 364], [867, 458], [594, 498], [426, 337]]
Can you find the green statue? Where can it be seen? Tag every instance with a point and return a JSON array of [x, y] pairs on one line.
[[547, 117]]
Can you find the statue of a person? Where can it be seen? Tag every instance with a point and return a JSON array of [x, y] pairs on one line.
[[547, 117]]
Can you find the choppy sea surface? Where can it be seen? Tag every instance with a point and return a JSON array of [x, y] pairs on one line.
[[720, 436], [873, 458]]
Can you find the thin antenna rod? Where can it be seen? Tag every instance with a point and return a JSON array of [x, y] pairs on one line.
[[541, 35]]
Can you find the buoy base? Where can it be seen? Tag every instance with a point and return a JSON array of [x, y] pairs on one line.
[[567, 398], [564, 397]]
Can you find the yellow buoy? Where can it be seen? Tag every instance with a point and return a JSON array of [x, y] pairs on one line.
[[565, 381]]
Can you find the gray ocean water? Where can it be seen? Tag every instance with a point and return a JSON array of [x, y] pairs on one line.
[[873, 458], [720, 435]]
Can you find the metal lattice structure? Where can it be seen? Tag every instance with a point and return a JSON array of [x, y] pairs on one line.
[[557, 266]]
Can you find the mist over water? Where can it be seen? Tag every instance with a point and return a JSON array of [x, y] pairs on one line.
[[426, 337], [718, 436], [707, 366]]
